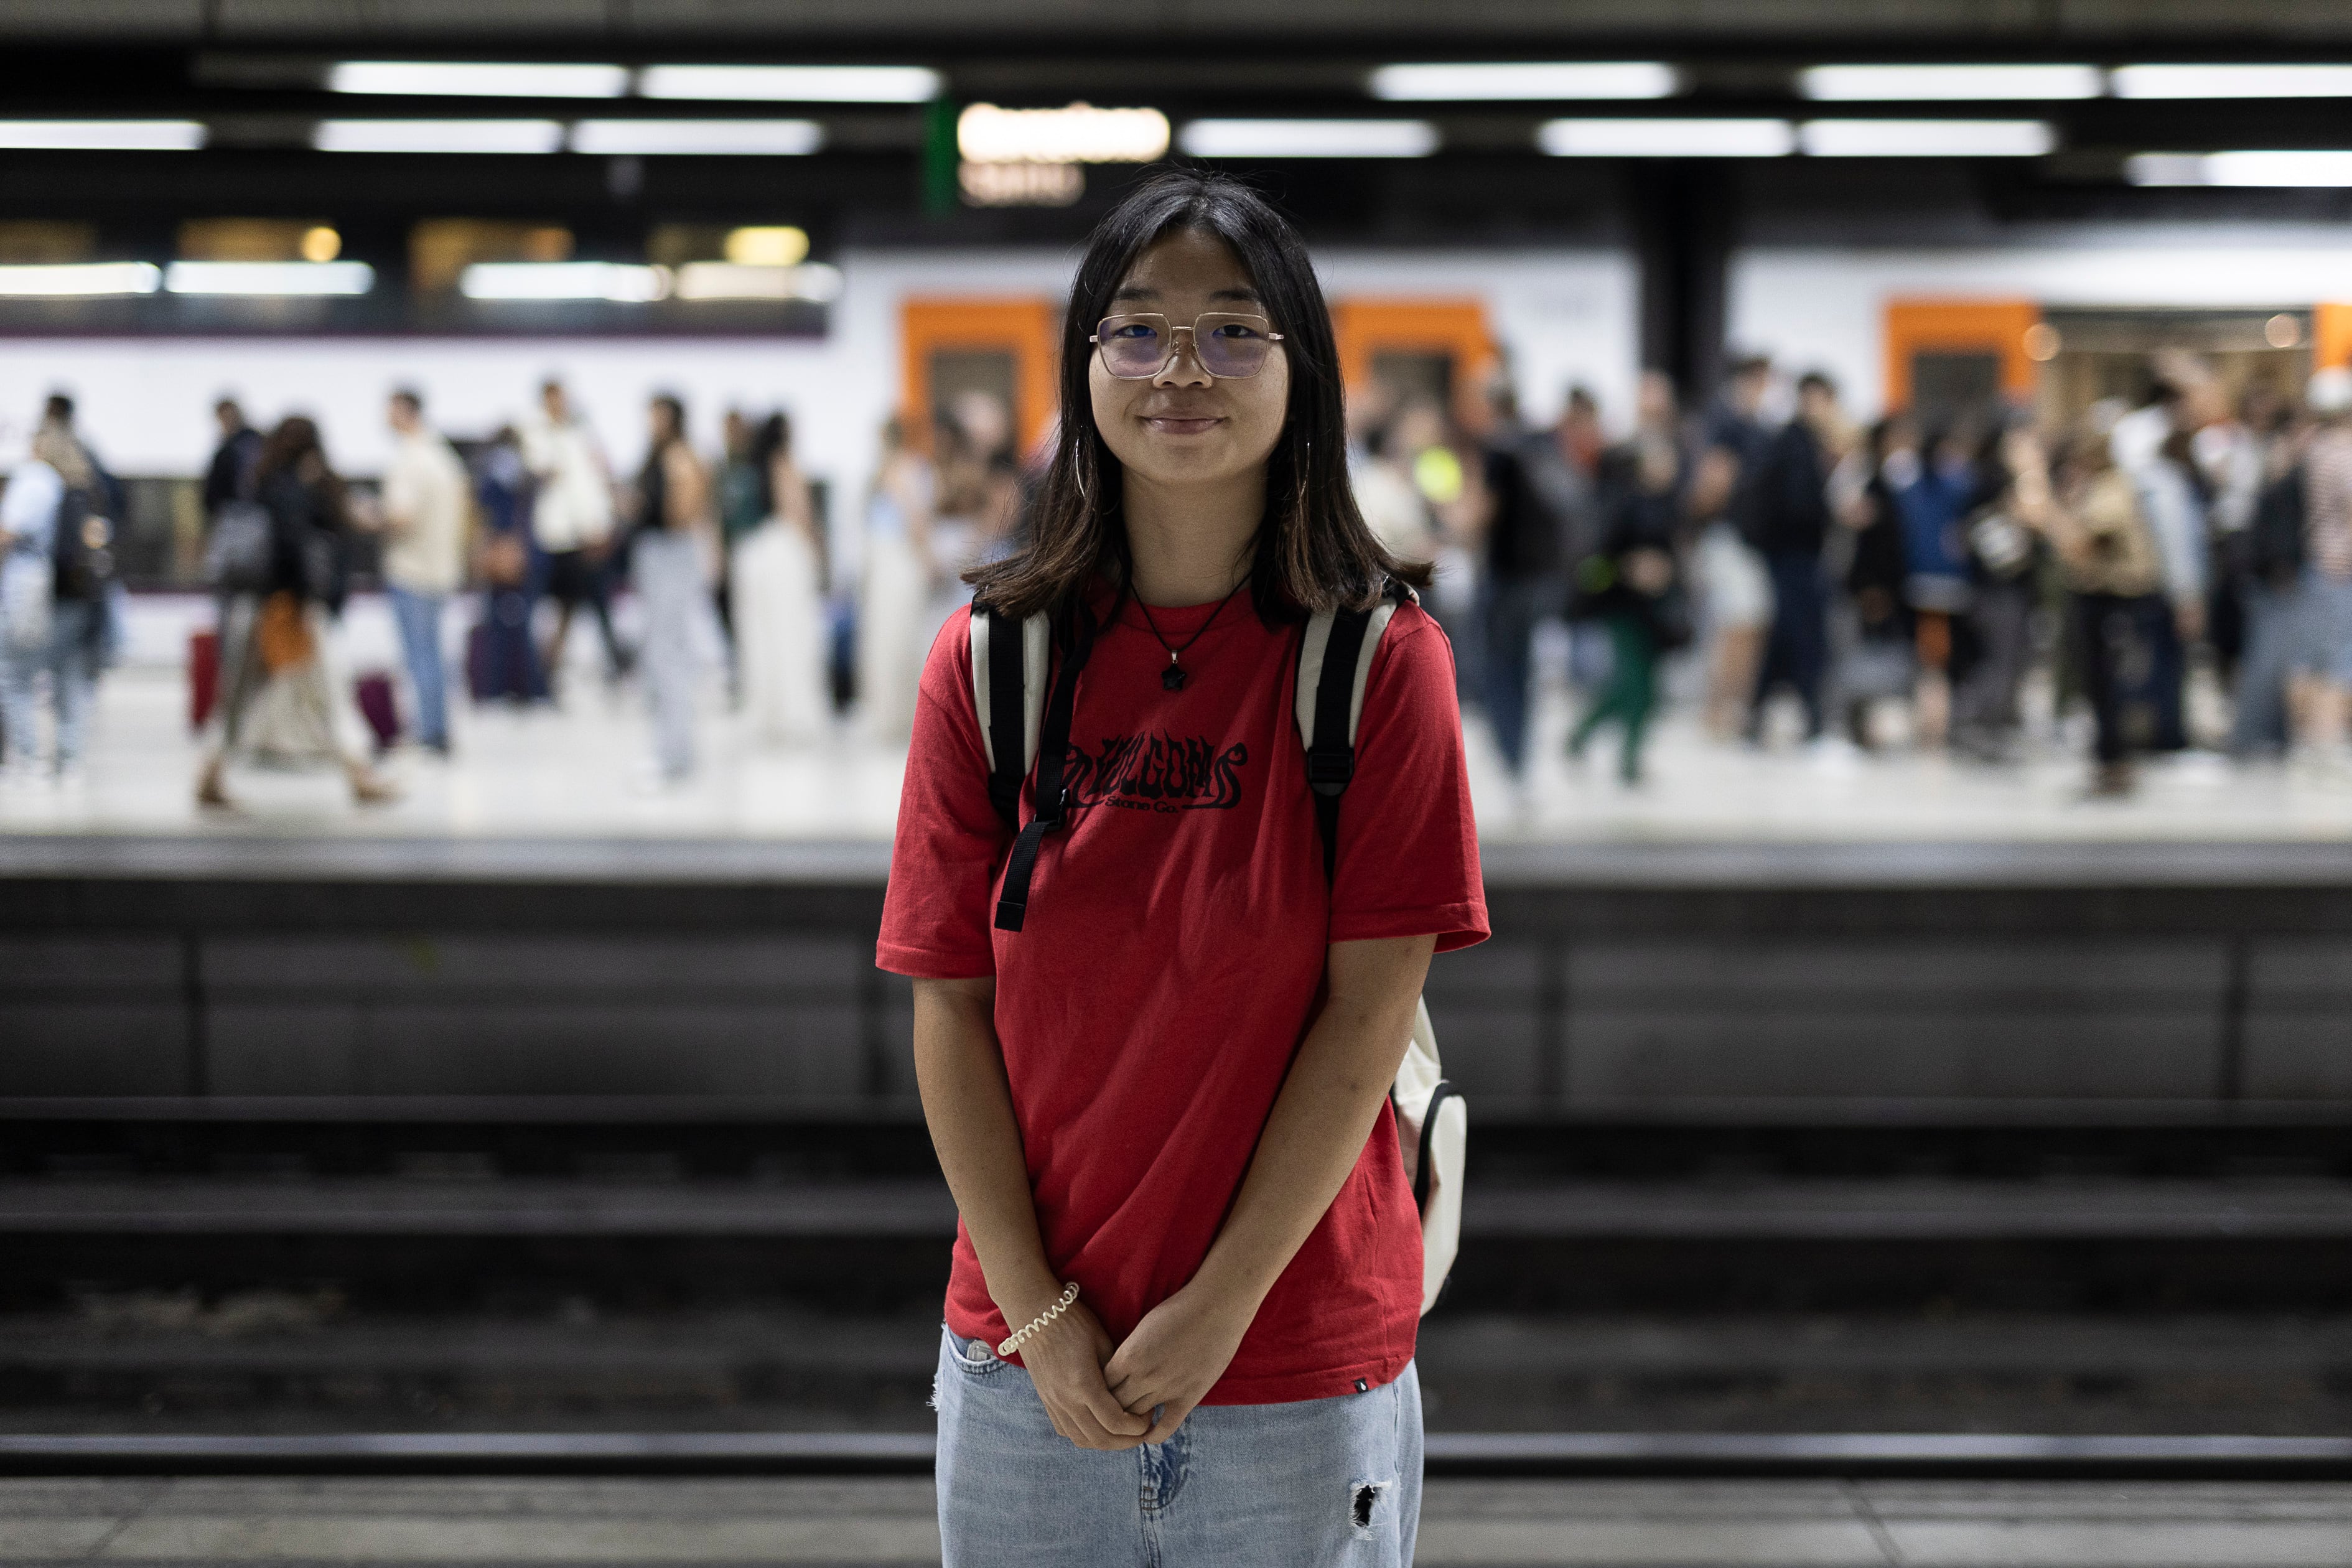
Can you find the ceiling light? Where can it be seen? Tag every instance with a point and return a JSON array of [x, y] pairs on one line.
[[320, 243], [103, 135], [778, 245], [2232, 81], [792, 84], [814, 282], [1564, 79], [1925, 138], [1309, 138], [1079, 134], [1990, 84], [1668, 138], [269, 277], [614, 280], [80, 278], [438, 136], [442, 79], [714, 138], [2329, 167]]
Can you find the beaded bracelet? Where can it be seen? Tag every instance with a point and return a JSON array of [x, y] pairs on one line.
[[1069, 1294]]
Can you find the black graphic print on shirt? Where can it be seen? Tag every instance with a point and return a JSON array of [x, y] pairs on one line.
[[1158, 772]]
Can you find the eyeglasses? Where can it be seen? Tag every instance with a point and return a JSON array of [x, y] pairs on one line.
[[1229, 346]]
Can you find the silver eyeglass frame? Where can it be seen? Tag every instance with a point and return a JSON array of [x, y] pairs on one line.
[[1175, 348]]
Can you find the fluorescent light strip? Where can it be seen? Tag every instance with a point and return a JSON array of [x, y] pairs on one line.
[[79, 279], [717, 138], [813, 281], [1308, 139], [614, 280], [269, 277], [1526, 82], [1668, 138], [438, 136], [791, 84], [445, 78], [2231, 81], [1925, 138], [1987, 84], [1079, 134], [2328, 167], [103, 135]]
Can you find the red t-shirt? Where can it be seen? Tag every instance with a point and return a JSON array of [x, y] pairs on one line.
[[1173, 959]]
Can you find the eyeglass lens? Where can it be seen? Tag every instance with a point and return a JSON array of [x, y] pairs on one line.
[[1135, 347]]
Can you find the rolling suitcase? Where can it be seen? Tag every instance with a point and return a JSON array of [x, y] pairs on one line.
[[204, 677], [372, 691]]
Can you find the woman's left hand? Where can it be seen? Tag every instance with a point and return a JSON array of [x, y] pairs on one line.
[[1174, 1357]]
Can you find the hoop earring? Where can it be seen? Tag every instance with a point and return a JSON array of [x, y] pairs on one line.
[[1080, 459]]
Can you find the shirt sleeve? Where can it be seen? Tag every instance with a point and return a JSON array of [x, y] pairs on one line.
[[944, 860], [1408, 862]]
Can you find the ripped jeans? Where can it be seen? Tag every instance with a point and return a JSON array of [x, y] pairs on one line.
[[1322, 1483]]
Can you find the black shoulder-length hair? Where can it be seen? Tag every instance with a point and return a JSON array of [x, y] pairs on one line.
[[1313, 549]]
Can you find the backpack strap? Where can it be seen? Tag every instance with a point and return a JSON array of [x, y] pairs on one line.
[[1052, 796], [1335, 661], [1008, 694]]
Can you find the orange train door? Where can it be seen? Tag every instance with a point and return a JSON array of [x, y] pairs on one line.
[[1004, 347], [1437, 348], [2331, 335], [1948, 357]]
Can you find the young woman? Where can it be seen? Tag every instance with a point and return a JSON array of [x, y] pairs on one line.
[[1161, 1103]]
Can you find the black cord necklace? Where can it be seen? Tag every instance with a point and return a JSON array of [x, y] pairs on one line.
[[1172, 678]]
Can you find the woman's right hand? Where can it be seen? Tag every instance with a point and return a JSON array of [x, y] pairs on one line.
[[1064, 1360]]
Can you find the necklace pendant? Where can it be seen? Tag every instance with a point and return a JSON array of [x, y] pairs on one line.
[[1172, 679]]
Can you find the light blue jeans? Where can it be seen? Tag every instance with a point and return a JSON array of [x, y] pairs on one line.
[[1322, 1483], [419, 616], [668, 569], [70, 660]]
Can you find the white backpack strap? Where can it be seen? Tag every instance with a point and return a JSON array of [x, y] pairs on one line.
[[1004, 664]]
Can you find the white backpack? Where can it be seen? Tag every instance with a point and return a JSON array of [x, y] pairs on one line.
[[1335, 659]]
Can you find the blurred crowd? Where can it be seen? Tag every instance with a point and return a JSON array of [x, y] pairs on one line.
[[1839, 585], [1899, 582]]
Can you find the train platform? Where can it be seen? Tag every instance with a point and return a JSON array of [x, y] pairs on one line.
[[1823, 1523], [579, 772]]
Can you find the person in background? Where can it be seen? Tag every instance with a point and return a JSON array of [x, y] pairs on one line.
[[1392, 505], [1534, 501], [571, 523], [2266, 559], [896, 587], [425, 514], [1932, 484], [667, 555], [1423, 449], [1791, 525], [106, 496], [502, 493], [2107, 560], [743, 505], [777, 587], [2003, 532], [1629, 583], [229, 475], [42, 631], [280, 693], [2324, 661], [1882, 660], [1733, 585]]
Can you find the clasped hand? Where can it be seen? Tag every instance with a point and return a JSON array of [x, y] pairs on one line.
[[1115, 1397]]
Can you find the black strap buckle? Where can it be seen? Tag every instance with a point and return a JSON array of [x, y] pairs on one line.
[[1328, 773]]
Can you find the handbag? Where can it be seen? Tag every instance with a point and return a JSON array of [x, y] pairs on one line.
[[236, 555]]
